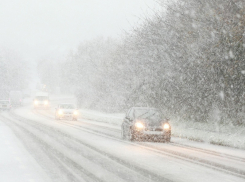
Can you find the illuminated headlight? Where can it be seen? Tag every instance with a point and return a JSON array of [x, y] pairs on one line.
[[36, 102], [60, 112], [139, 125], [75, 112], [45, 102], [166, 126]]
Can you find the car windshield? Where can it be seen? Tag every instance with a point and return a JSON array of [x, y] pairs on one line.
[[67, 106], [149, 115], [4, 102], [41, 98]]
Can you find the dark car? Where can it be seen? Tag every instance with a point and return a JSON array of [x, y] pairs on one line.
[[145, 124], [66, 111]]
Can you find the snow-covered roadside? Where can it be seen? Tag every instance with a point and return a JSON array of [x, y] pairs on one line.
[[130, 155], [16, 164], [115, 119], [225, 135], [204, 132], [232, 136]]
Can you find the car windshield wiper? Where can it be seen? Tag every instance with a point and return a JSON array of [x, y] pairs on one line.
[[150, 115], [143, 114]]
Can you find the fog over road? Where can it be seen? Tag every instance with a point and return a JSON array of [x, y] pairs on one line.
[[124, 71], [87, 150]]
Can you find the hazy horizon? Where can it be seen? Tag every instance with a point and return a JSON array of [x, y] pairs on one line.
[[43, 29]]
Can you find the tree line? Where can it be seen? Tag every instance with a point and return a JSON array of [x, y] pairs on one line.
[[188, 60], [14, 73]]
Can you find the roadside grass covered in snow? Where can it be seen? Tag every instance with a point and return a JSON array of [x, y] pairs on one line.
[[213, 133]]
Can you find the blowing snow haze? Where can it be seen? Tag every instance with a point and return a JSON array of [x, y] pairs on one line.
[[38, 29], [122, 90]]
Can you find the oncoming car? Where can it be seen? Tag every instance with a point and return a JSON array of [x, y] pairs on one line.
[[41, 100], [145, 124], [66, 111], [5, 105]]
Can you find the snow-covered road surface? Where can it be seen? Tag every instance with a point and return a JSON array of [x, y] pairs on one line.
[[16, 163], [86, 150]]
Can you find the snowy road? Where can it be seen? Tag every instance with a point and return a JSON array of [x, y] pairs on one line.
[[86, 150]]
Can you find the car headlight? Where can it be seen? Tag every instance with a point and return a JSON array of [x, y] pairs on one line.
[[36, 102], [75, 112], [60, 112], [166, 126], [139, 125], [45, 102]]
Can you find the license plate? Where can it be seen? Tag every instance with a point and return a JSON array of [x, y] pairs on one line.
[[153, 132], [67, 115]]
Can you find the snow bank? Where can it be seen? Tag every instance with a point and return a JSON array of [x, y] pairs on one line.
[[16, 162], [115, 119], [214, 133], [225, 135]]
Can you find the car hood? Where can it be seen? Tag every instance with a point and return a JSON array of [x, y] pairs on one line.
[[68, 110], [151, 124]]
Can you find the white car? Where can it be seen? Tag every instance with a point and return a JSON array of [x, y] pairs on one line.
[[66, 111], [5, 105], [41, 101]]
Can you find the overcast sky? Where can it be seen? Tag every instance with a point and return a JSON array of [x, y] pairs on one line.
[[38, 29]]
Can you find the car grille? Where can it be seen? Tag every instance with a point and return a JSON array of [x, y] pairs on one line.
[[158, 129], [67, 112], [155, 129]]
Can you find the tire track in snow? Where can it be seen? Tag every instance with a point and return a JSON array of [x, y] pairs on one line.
[[27, 137], [226, 156], [172, 153], [150, 176], [210, 152]]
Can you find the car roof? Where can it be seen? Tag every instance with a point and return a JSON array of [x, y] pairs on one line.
[[4, 100], [42, 95], [66, 104], [150, 108]]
